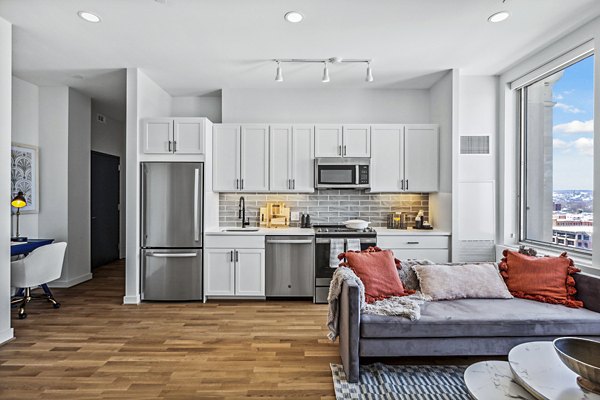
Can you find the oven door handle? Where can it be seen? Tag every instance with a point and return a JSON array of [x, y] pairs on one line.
[[362, 240]]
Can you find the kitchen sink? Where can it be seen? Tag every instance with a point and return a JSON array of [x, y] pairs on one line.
[[240, 230]]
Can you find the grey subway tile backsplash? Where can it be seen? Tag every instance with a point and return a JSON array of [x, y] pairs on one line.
[[327, 206]]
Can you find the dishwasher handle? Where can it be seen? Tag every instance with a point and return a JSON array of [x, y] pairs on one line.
[[289, 241], [172, 255]]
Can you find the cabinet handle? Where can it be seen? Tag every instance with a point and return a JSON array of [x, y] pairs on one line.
[[289, 183], [174, 146], [294, 184], [339, 150], [412, 242], [170, 146], [407, 184], [402, 186], [237, 183], [344, 149], [241, 183], [231, 256], [237, 257]]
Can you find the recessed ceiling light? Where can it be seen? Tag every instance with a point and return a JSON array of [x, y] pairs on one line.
[[499, 16], [293, 16], [88, 16]]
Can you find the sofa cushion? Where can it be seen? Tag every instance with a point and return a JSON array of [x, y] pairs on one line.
[[485, 317]]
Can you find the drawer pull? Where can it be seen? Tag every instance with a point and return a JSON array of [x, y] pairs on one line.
[[412, 242]]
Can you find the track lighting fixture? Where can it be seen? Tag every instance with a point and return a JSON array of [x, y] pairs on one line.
[[279, 76], [325, 78], [325, 62]]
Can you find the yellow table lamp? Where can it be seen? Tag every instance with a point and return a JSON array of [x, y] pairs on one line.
[[18, 202]]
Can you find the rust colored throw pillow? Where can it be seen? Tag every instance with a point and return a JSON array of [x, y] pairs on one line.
[[545, 279], [377, 270]]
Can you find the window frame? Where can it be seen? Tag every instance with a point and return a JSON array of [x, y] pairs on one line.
[[521, 125]]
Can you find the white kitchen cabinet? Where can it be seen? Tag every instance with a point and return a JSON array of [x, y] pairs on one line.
[[404, 158], [254, 173], [174, 135], [291, 158], [356, 141], [234, 265], [421, 158], [328, 140], [226, 157], [250, 272], [342, 141], [219, 272], [240, 158]]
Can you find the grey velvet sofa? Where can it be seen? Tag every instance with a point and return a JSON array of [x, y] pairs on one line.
[[462, 327]]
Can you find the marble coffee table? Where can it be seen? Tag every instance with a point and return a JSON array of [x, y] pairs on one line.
[[538, 369], [493, 380]]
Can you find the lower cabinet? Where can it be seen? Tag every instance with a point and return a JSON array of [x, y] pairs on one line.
[[417, 247], [234, 271]]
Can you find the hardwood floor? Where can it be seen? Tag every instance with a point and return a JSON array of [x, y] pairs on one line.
[[95, 347]]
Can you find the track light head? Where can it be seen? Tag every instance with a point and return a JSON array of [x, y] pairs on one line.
[[325, 78], [369, 77], [279, 75]]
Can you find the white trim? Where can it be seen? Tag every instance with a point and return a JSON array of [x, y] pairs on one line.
[[71, 282], [554, 65], [131, 299], [7, 336]]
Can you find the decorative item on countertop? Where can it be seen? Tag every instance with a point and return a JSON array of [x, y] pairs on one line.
[[396, 220], [307, 223], [581, 356], [274, 215], [419, 220]]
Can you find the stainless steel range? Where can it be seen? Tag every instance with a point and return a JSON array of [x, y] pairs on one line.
[[323, 236]]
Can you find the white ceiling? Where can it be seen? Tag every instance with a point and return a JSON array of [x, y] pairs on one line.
[[195, 47]]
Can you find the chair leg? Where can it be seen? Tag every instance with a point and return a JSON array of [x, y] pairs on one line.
[[26, 299], [50, 296]]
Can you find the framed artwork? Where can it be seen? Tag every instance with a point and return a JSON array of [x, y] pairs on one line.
[[24, 175]]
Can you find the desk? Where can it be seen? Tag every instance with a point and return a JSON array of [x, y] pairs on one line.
[[18, 248]]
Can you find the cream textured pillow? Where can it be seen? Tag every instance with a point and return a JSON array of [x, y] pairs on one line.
[[469, 281]]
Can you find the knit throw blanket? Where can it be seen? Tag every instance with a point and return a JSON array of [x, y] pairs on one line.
[[405, 306]]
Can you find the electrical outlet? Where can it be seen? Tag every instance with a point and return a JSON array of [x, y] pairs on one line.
[[295, 215]]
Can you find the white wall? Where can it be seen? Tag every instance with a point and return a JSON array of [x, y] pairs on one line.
[[6, 332], [144, 99], [198, 106], [109, 138], [325, 106], [25, 130], [78, 249], [440, 204]]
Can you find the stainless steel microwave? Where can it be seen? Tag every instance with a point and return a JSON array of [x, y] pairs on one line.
[[342, 173]]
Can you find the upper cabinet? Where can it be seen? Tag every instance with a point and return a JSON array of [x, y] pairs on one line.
[[404, 158], [174, 135], [241, 158], [342, 141], [291, 158]]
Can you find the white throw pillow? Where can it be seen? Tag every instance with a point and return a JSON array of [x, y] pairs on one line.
[[468, 281]]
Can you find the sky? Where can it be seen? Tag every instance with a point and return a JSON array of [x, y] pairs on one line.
[[573, 133]]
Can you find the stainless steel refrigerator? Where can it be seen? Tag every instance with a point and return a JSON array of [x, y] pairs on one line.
[[172, 230]]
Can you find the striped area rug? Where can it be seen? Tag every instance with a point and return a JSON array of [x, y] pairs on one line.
[[402, 382]]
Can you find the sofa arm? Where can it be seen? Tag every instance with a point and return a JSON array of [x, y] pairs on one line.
[[588, 288], [349, 326]]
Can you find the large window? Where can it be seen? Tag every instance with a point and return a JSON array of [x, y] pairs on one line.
[[557, 131]]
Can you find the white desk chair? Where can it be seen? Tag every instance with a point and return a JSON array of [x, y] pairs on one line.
[[41, 266]]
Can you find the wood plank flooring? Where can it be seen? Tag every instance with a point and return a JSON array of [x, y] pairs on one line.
[[94, 347]]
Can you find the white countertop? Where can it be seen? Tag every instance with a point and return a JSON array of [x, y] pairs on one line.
[[310, 232], [263, 231], [411, 232]]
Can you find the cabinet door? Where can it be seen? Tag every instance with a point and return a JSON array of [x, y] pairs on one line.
[[250, 272], [255, 158], [357, 141], [386, 158], [303, 162], [226, 157], [280, 160], [435, 255], [219, 272], [328, 141], [157, 135], [188, 135], [421, 158]]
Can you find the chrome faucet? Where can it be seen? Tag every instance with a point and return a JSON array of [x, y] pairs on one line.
[[242, 212]]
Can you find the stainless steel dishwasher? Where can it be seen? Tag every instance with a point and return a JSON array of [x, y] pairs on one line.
[[289, 266]]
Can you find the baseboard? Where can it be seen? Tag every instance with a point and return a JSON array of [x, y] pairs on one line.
[[131, 299], [71, 282], [7, 336]]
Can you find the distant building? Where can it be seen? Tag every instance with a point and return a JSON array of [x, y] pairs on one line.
[[573, 230], [557, 206]]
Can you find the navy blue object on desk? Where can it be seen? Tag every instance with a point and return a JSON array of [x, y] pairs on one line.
[[28, 246]]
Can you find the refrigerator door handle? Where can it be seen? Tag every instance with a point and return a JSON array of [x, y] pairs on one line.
[[172, 255], [196, 211]]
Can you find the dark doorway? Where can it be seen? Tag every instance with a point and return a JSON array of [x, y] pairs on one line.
[[105, 208]]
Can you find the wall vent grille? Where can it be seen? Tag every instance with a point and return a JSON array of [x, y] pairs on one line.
[[474, 145]]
